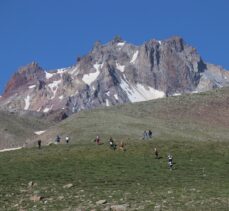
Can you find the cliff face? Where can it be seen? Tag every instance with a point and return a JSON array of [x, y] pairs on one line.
[[25, 76], [114, 73]]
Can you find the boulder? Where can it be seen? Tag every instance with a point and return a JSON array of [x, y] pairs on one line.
[[36, 198], [103, 201], [122, 207], [68, 185]]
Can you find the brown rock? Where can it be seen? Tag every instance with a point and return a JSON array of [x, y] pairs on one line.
[[36, 198]]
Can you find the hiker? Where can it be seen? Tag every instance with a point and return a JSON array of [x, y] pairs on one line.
[[145, 135], [67, 139], [39, 144], [57, 139], [122, 146], [170, 161], [112, 144], [156, 153], [97, 140], [150, 134]]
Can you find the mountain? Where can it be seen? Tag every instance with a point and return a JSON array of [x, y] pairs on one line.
[[111, 74]]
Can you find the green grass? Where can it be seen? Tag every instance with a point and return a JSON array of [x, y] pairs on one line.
[[199, 179], [194, 128]]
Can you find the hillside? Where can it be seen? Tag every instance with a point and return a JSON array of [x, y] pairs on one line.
[[77, 176], [202, 116], [15, 130]]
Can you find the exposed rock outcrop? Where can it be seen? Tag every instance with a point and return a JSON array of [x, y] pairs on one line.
[[114, 73]]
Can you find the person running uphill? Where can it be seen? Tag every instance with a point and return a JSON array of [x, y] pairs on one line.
[[39, 144], [145, 135], [112, 144], [122, 146], [156, 153], [57, 139], [170, 161], [97, 140], [67, 139], [150, 134]]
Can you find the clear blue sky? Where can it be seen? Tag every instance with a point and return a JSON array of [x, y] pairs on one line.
[[55, 32]]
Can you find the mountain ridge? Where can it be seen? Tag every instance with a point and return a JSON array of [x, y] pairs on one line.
[[111, 74]]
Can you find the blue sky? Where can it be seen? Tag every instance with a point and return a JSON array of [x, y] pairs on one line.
[[55, 32]]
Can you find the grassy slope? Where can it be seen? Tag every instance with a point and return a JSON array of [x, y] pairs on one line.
[[135, 177], [203, 116], [15, 130], [199, 180]]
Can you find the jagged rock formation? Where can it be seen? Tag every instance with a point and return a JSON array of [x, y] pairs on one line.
[[114, 73]]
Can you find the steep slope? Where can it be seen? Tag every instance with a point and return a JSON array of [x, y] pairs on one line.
[[111, 74]]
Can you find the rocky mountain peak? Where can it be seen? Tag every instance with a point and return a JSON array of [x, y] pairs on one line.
[[28, 74], [97, 45], [31, 68], [176, 42], [114, 73]]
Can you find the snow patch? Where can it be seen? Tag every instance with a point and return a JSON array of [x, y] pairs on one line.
[[134, 57], [121, 44], [10, 149], [61, 97], [176, 94], [120, 67], [27, 102], [139, 92], [108, 93], [116, 96], [124, 76], [159, 42], [46, 110], [61, 71], [107, 103], [48, 75], [39, 132], [74, 70], [91, 77], [32, 86], [98, 66], [54, 86]]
